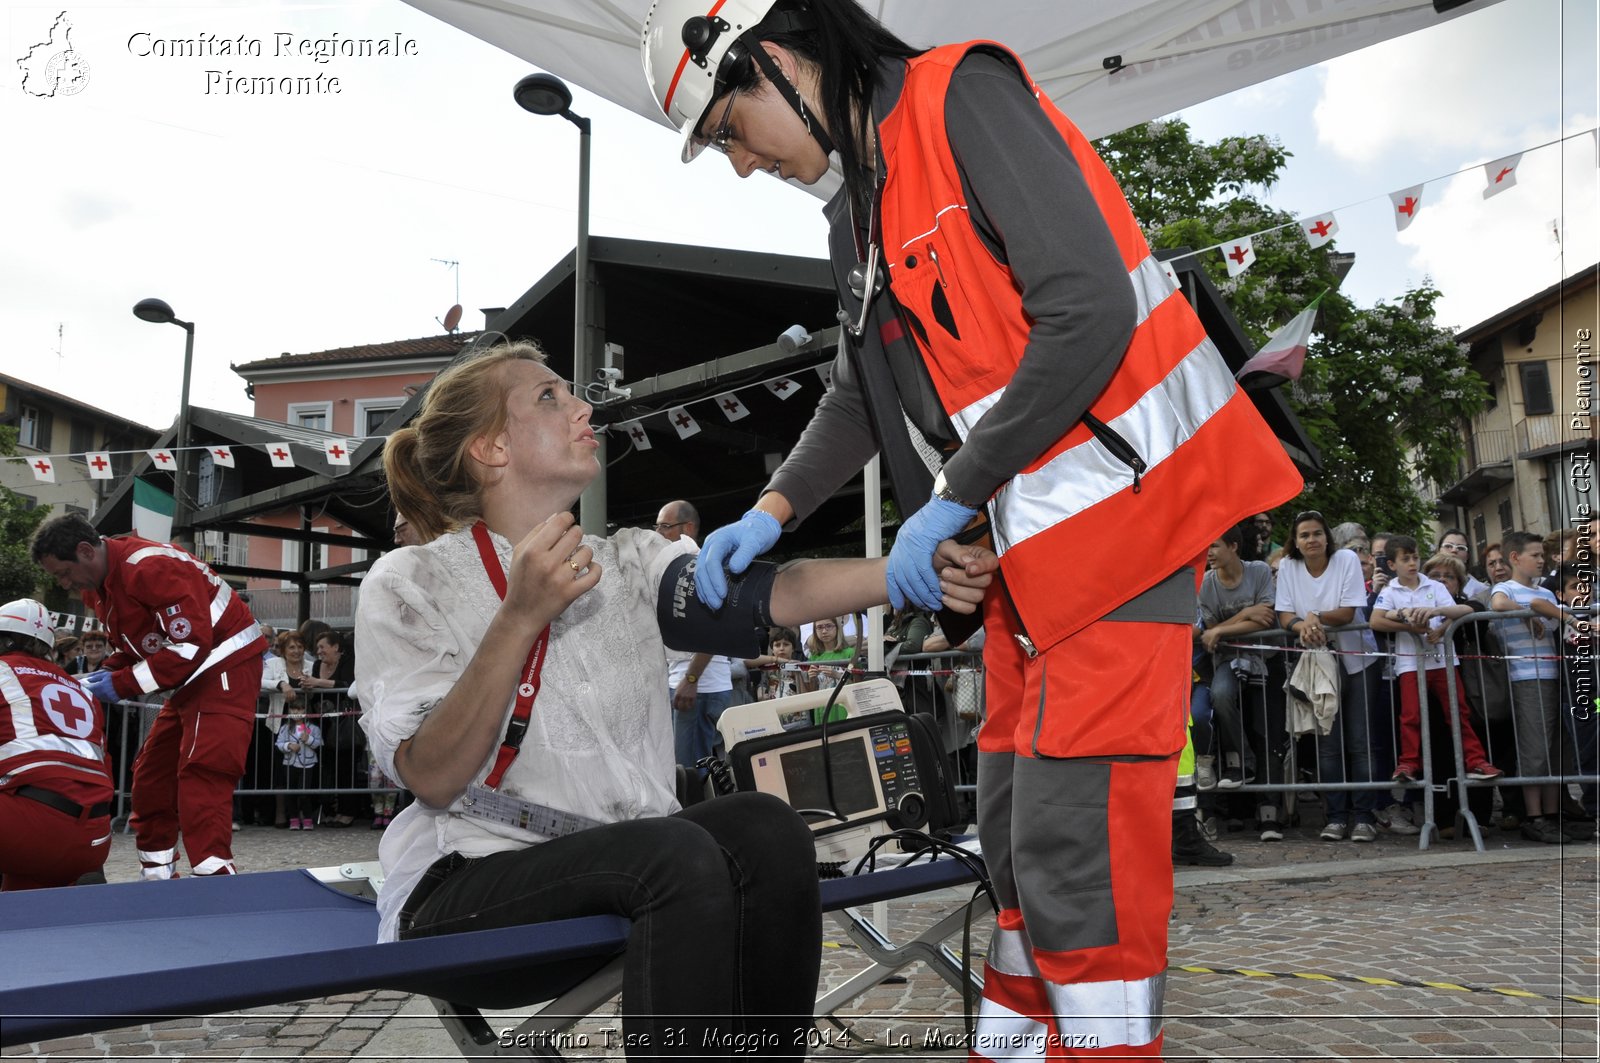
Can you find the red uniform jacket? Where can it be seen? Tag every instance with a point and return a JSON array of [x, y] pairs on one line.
[[170, 617], [51, 729]]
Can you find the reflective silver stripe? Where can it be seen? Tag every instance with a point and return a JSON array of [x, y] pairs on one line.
[[1010, 952], [219, 599], [1186, 780], [1180, 804], [1163, 419], [157, 856], [186, 650], [227, 648], [219, 602], [211, 865], [145, 677], [18, 703], [1003, 1034], [38, 743], [1151, 286], [1109, 1013]]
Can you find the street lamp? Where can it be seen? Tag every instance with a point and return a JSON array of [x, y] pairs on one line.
[[159, 312], [547, 94]]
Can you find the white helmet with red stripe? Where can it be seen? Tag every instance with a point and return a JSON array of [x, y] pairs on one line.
[[28, 618], [684, 44]]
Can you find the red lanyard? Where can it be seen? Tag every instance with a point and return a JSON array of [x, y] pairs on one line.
[[528, 689]]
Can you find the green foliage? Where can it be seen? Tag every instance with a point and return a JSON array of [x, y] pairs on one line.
[[1385, 389], [19, 576]]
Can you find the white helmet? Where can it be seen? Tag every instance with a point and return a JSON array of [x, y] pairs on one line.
[[684, 44], [28, 617]]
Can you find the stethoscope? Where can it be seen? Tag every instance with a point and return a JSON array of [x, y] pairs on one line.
[[864, 279]]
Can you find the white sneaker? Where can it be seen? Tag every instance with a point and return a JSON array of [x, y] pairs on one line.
[[1267, 821], [1364, 832], [1205, 773], [1396, 819], [1334, 831]]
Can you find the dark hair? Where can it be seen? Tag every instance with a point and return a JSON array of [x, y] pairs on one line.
[[1232, 536], [1401, 542], [16, 642], [846, 45], [1291, 549], [785, 634], [1517, 542], [1570, 571], [59, 537], [332, 636], [311, 631]]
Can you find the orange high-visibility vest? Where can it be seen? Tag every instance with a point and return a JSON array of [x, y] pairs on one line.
[[1172, 452]]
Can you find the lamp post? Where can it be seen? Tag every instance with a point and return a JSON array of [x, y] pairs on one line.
[[159, 312], [546, 94]]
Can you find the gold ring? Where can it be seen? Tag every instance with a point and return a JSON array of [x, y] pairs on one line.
[[576, 568]]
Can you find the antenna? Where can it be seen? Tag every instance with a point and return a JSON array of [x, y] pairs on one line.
[[452, 317]]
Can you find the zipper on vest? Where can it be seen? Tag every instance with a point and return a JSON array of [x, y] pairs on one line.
[[1021, 634], [1120, 448]]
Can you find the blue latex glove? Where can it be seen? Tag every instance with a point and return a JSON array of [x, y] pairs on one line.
[[911, 576], [99, 684], [734, 546]]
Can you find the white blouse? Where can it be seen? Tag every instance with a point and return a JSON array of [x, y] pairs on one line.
[[599, 743]]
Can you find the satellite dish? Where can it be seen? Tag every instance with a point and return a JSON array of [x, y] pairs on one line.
[[452, 318]]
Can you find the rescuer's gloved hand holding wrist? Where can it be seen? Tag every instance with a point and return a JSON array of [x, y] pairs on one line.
[[99, 684], [734, 546], [911, 576]]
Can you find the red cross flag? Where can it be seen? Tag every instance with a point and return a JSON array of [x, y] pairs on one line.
[[282, 457], [1319, 230], [826, 373], [162, 459], [784, 388], [1239, 254], [44, 470], [636, 432], [99, 464], [685, 425], [337, 450], [1500, 174], [1406, 202], [222, 456], [730, 405]]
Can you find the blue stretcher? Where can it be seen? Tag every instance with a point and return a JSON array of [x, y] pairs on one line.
[[92, 958]]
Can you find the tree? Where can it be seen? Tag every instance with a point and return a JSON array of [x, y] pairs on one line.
[[19, 576], [1385, 388]]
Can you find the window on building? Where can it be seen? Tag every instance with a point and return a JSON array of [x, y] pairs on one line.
[[1507, 522], [82, 436], [371, 413], [1480, 533], [220, 548], [316, 416], [291, 559], [28, 501], [1536, 397], [33, 428]]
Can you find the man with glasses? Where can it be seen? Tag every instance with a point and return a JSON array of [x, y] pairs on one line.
[[701, 684], [1261, 525]]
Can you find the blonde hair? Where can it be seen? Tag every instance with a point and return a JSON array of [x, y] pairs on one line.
[[1450, 562], [815, 646], [432, 478]]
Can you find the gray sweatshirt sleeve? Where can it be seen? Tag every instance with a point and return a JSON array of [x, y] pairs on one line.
[[1031, 203], [836, 443]]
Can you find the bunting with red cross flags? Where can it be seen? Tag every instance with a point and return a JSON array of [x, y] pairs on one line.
[[685, 424], [1319, 230], [282, 457], [826, 373], [783, 387], [99, 463], [1406, 202], [1500, 175], [1240, 255], [44, 470], [163, 459], [338, 451], [731, 407], [636, 432], [222, 456]]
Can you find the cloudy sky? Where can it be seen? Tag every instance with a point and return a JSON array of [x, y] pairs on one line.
[[300, 224]]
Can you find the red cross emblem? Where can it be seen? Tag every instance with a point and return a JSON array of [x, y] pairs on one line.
[[162, 458], [637, 433], [1238, 254], [43, 467], [1321, 228], [782, 385], [221, 452], [1409, 207], [1501, 176], [281, 454], [99, 463], [683, 420], [731, 405], [336, 450]]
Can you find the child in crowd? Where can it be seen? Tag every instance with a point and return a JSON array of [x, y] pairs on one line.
[[1415, 609], [1535, 698], [299, 739], [779, 677]]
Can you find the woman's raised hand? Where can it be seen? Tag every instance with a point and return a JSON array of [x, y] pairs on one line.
[[550, 569]]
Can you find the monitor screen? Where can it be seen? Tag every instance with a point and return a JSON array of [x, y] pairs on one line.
[[853, 770]]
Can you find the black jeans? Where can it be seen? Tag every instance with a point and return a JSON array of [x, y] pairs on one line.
[[727, 923]]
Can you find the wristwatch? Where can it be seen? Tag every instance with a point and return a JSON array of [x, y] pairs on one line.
[[691, 678], [943, 490]]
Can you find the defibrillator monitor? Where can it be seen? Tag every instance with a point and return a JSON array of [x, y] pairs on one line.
[[797, 712], [865, 783]]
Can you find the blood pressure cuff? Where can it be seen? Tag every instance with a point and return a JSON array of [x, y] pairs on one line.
[[735, 630]]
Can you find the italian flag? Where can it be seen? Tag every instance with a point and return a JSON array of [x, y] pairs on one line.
[[1283, 357], [152, 512]]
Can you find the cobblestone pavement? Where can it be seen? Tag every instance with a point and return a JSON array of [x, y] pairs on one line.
[[1301, 950]]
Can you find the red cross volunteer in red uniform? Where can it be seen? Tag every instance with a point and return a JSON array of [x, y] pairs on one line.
[[174, 626], [1014, 350], [55, 781]]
